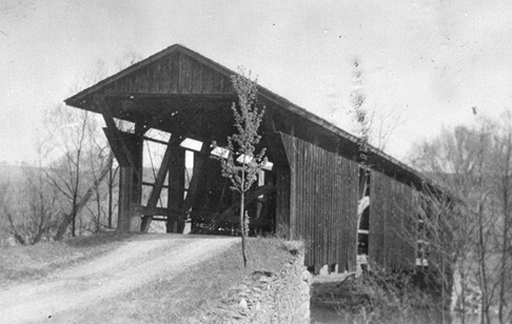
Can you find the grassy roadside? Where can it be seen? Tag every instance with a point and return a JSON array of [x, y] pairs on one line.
[[187, 297], [23, 263]]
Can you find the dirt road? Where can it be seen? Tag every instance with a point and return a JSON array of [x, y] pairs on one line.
[[138, 261]]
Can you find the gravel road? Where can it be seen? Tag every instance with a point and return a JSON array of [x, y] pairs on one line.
[[140, 260]]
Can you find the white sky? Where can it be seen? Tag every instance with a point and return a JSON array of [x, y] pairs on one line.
[[432, 59]]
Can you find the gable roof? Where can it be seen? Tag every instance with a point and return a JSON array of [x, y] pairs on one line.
[[179, 71]]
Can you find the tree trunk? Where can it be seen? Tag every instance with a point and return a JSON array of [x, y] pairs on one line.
[[19, 238], [69, 218], [14, 230], [504, 239], [110, 189], [503, 269], [73, 214], [242, 227], [481, 267]]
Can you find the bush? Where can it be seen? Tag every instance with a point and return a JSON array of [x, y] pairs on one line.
[[382, 297]]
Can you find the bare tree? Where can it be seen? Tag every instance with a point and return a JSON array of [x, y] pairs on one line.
[[30, 208], [74, 162], [83, 164], [68, 131], [503, 180], [80, 161], [5, 188], [99, 157], [472, 164]]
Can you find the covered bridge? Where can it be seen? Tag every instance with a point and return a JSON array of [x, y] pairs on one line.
[[311, 191]]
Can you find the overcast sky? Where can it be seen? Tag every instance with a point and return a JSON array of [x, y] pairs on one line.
[[431, 60]]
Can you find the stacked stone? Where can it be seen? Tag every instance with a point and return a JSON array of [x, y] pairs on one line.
[[267, 297], [291, 294]]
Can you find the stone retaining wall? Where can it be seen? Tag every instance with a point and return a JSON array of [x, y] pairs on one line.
[[266, 297]]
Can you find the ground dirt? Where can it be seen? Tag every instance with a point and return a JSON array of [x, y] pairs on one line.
[[140, 260]]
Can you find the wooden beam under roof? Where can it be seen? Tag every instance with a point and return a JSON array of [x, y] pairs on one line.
[[116, 139]]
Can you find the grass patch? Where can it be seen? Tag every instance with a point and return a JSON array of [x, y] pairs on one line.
[[22, 263], [188, 296]]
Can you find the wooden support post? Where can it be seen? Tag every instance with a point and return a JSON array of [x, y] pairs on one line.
[[125, 175], [130, 189], [176, 188], [174, 143], [115, 137], [128, 151]]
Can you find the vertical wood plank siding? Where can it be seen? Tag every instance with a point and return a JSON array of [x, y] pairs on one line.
[[173, 74], [391, 205], [323, 203], [282, 169]]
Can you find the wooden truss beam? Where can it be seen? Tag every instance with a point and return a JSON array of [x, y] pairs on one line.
[[127, 149], [154, 140], [174, 143], [115, 137]]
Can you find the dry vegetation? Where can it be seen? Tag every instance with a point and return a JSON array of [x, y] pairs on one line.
[[377, 298]]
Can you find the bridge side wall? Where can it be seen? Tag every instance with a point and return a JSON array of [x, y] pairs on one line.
[[323, 203]]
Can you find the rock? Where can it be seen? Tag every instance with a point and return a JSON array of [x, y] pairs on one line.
[[243, 303], [264, 273], [307, 277], [264, 279]]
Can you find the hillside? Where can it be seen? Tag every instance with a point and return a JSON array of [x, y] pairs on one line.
[[12, 173]]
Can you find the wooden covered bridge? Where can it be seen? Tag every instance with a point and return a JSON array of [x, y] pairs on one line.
[[310, 191]]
